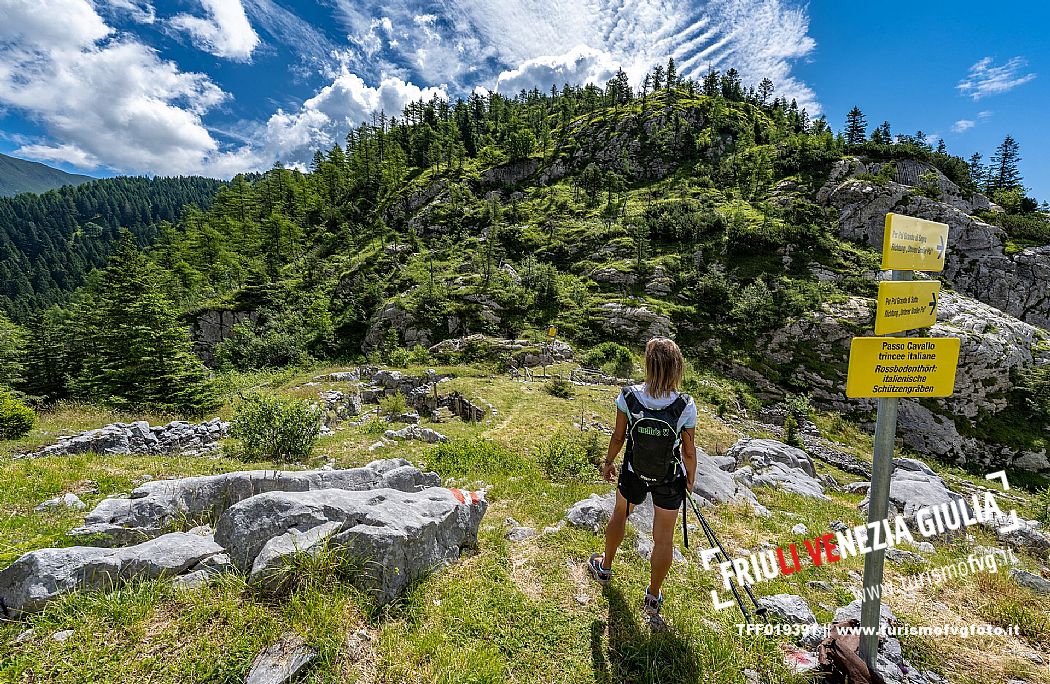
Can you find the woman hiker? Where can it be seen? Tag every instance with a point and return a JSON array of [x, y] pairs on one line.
[[658, 423]]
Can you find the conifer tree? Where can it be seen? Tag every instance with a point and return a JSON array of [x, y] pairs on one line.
[[11, 345], [977, 171], [765, 89], [137, 352], [856, 127], [672, 73], [1005, 174]]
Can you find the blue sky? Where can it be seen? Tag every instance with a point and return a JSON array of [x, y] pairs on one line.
[[221, 86]]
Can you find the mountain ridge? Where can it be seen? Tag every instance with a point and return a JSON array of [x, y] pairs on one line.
[[21, 175]]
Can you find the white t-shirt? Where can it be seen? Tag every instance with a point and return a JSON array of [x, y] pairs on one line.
[[686, 420]]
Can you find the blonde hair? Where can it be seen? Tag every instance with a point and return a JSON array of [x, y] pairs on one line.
[[664, 367]]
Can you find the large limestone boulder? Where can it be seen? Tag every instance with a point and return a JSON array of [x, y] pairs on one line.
[[914, 486], [154, 507], [38, 577], [769, 463], [976, 262], [396, 536]]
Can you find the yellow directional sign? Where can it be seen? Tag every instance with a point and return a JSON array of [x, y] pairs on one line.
[[913, 244], [906, 305], [902, 367], [552, 332]]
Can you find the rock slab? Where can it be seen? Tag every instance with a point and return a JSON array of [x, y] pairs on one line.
[[41, 576], [155, 506], [397, 536]]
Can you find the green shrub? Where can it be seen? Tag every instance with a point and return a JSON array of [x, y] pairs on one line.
[[16, 419], [611, 358], [475, 457], [572, 455], [559, 387], [272, 428], [375, 426], [393, 405]]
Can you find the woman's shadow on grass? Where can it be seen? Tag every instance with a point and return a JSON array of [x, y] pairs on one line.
[[638, 652]]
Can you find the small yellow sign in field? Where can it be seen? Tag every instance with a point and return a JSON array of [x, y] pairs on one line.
[[913, 244], [552, 332], [906, 305], [902, 367]]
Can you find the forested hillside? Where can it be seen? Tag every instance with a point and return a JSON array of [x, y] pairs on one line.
[[19, 175], [701, 209], [381, 455], [50, 241]]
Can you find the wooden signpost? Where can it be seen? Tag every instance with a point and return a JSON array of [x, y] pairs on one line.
[[889, 368]]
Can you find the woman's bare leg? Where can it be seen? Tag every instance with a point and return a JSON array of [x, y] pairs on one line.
[[615, 530]]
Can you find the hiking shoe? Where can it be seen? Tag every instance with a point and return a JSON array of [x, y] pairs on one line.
[[653, 604], [601, 574]]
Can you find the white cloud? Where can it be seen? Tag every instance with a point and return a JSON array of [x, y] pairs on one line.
[[225, 33], [462, 42], [985, 78], [102, 99], [581, 64], [69, 154], [335, 109], [963, 125], [141, 11]]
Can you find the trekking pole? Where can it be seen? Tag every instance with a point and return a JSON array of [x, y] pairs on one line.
[[714, 542], [707, 527]]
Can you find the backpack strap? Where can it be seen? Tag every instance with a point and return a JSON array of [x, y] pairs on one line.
[[634, 404]]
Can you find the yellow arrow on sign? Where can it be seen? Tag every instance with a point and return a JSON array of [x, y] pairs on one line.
[[906, 305], [912, 244], [902, 367]]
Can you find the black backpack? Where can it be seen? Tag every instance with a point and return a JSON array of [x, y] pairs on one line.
[[653, 440]]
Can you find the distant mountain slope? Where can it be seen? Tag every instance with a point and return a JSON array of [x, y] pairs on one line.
[[19, 175]]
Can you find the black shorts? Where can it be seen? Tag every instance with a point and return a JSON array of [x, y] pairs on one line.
[[669, 495]]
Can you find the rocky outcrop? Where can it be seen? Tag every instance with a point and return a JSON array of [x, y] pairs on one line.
[[155, 507], [520, 352], [814, 352], [397, 536], [140, 438], [976, 263], [632, 324], [769, 463], [788, 608], [394, 316], [39, 577], [509, 174], [212, 326], [417, 433]]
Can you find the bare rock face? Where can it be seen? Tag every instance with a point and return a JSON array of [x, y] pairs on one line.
[[976, 262], [636, 324], [993, 345], [398, 536], [156, 506], [38, 577]]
